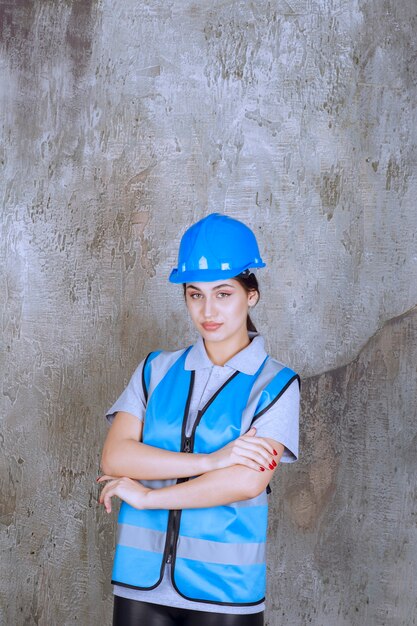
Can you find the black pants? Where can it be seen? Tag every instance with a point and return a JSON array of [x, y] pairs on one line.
[[136, 613]]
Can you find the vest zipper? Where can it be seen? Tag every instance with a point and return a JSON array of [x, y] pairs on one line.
[[174, 530], [188, 446]]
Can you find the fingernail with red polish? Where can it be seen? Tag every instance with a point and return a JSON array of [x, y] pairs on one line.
[[274, 463], [275, 452], [271, 466], [262, 469]]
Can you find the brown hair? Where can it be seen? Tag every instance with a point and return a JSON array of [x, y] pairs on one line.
[[249, 283]]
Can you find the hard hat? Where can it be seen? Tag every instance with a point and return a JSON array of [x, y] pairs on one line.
[[216, 247]]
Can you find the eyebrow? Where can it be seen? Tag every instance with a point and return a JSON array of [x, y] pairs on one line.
[[214, 288]]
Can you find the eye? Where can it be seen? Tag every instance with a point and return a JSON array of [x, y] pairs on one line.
[[223, 294], [195, 295]]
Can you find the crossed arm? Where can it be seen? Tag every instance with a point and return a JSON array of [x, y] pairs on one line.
[[125, 456]]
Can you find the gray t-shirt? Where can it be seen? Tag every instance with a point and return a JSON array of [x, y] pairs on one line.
[[280, 422]]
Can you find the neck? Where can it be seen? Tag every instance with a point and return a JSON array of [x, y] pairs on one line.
[[219, 352]]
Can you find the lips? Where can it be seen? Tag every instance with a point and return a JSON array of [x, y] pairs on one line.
[[210, 326]]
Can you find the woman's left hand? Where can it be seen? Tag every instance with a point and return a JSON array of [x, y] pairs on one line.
[[131, 491]]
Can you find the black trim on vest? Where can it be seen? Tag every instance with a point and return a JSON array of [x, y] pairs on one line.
[[296, 377], [145, 391], [172, 527], [206, 406], [214, 396], [119, 584]]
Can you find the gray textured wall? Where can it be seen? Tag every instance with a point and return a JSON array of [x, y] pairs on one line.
[[122, 122]]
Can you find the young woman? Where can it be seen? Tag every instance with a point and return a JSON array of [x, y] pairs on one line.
[[195, 439]]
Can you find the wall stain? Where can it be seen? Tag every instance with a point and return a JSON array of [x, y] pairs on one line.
[[232, 45], [393, 174], [24, 20], [79, 34], [16, 17], [141, 176], [397, 175], [69, 477], [330, 191], [10, 476]]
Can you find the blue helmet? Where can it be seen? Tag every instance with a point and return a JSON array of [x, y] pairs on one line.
[[216, 247]]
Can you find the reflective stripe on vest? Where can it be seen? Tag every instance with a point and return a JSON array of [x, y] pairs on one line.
[[217, 553]]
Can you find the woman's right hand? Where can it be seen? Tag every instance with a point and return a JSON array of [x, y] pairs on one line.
[[254, 452]]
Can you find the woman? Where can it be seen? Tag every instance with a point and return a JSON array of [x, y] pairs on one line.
[[202, 429]]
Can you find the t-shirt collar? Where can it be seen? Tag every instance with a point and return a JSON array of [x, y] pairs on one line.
[[247, 361]]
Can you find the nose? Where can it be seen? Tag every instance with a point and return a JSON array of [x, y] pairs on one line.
[[208, 308]]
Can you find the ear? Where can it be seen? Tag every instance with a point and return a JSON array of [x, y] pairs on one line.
[[253, 298]]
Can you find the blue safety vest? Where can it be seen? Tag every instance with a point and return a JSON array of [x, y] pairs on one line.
[[217, 553]]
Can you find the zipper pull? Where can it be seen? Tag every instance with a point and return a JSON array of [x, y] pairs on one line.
[[187, 444]]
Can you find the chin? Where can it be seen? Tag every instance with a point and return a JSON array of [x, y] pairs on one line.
[[217, 336], [213, 339]]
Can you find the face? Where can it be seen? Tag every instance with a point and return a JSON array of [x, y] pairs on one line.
[[219, 309]]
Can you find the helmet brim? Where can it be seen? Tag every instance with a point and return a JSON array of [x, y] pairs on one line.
[[209, 275]]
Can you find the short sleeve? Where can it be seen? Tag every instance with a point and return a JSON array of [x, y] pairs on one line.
[[132, 400], [281, 422]]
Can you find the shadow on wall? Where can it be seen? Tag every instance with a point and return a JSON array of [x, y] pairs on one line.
[[350, 498]]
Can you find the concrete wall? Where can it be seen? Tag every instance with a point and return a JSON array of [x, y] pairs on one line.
[[123, 122]]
